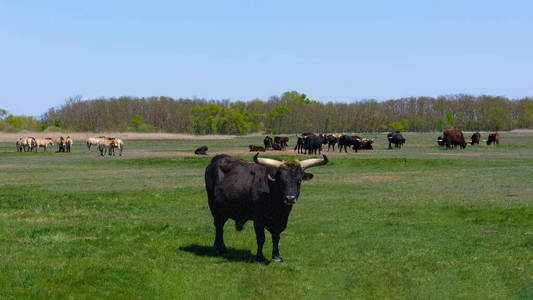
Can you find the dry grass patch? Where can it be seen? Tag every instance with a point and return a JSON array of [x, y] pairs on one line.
[[374, 178], [81, 137]]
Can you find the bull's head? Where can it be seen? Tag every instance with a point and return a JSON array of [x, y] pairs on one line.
[[289, 175]]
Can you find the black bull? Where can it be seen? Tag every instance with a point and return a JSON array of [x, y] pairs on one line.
[[263, 192]]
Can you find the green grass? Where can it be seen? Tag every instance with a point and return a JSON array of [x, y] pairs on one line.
[[420, 222]]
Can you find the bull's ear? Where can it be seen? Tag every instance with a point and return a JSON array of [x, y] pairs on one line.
[[307, 176]]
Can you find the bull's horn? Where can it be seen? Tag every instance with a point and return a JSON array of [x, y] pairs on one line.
[[267, 161], [313, 162]]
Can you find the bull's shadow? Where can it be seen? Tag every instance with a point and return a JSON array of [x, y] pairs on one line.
[[232, 255]]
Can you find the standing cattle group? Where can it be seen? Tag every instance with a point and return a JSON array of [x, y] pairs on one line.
[[452, 138], [309, 143]]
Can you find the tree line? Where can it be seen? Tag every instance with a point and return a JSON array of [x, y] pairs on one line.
[[288, 113]]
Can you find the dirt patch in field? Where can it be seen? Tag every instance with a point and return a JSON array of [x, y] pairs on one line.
[[234, 152], [369, 178], [8, 166], [472, 154], [358, 179], [37, 220]]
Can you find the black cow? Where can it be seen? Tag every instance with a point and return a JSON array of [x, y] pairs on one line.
[[313, 144], [366, 144], [395, 138], [494, 138], [332, 140], [263, 192], [454, 138], [282, 141], [441, 141], [254, 148], [300, 144], [346, 141], [268, 142], [201, 150], [476, 136]]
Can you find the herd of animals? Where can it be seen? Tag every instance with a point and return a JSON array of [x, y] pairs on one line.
[[310, 143], [104, 145], [28, 144], [266, 191], [306, 143], [452, 138]]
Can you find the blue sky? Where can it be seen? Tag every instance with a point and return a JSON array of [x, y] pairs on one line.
[[240, 50]]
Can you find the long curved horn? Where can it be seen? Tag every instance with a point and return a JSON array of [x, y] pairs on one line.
[[267, 161], [314, 162]]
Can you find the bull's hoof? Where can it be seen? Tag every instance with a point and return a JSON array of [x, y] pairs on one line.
[[277, 259], [221, 250], [260, 260]]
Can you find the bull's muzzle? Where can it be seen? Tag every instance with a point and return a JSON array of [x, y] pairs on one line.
[[290, 200]]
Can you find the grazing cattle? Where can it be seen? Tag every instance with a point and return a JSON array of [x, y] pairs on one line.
[[453, 138], [366, 144], [268, 142], [441, 141], [282, 141], [93, 141], [68, 143], [263, 192], [201, 150], [43, 143], [332, 140], [395, 138], [254, 148], [300, 143], [475, 138], [494, 138], [61, 142], [313, 144], [346, 141]]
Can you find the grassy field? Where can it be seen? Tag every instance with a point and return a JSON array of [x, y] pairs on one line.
[[415, 223]]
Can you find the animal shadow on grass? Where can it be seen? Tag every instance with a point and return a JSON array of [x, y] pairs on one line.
[[231, 255]]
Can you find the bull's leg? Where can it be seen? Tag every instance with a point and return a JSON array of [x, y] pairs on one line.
[[260, 237], [219, 245], [275, 249]]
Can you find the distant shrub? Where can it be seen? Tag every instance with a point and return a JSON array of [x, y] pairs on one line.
[[53, 129], [13, 130], [146, 128]]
